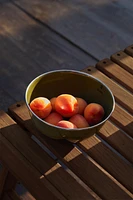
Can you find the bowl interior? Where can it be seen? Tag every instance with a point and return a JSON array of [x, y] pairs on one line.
[[76, 83]]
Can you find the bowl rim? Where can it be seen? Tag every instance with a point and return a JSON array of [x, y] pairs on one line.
[[77, 72]]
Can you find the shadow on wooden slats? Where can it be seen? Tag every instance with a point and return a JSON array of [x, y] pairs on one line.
[[109, 159], [66, 151], [40, 160]]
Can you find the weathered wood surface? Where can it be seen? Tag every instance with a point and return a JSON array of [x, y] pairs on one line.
[[35, 38], [73, 158], [28, 49], [27, 170], [92, 25], [115, 165], [43, 163], [115, 72]]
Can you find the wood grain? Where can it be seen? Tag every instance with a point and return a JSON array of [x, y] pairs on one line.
[[51, 170], [120, 116], [72, 158], [25, 170], [28, 44], [23, 116], [39, 43], [109, 160], [116, 73], [117, 139], [124, 60], [122, 96], [111, 133], [97, 28], [123, 119], [14, 69]]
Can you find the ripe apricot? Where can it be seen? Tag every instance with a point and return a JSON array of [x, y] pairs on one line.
[[53, 118], [66, 105], [93, 113], [52, 100], [79, 121], [41, 106], [66, 124], [82, 104]]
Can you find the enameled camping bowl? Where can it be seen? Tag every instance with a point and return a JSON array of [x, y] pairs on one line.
[[79, 84]]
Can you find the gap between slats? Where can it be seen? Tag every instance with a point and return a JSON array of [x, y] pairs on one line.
[[123, 97], [31, 130], [66, 167], [124, 60], [116, 73], [121, 117], [82, 189]]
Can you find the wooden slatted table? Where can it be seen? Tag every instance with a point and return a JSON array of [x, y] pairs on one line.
[[100, 167]]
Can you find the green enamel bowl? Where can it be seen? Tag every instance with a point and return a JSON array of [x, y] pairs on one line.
[[79, 84]]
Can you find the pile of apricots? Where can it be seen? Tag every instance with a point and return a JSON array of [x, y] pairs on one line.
[[67, 111]]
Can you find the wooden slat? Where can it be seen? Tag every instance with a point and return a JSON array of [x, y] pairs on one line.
[[129, 50], [52, 171], [117, 73], [22, 113], [116, 166], [117, 139], [123, 119], [120, 116], [124, 60], [123, 97], [24, 170], [92, 171], [111, 133], [73, 158]]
